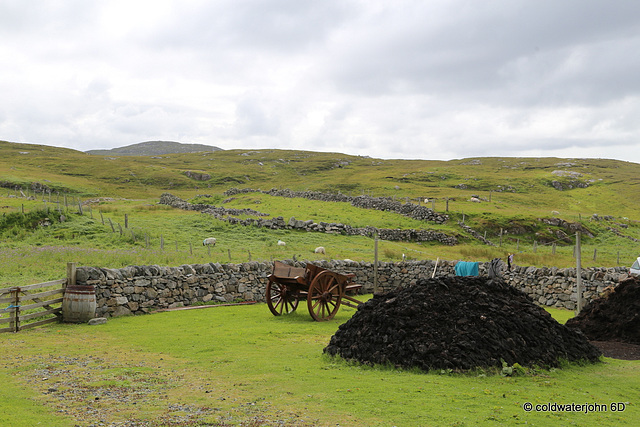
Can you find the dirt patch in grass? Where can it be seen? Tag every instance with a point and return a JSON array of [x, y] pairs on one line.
[[618, 350], [124, 392]]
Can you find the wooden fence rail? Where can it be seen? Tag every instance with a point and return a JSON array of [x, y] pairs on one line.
[[17, 296]]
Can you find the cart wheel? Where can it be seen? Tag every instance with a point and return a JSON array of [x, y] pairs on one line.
[[280, 299], [325, 294]]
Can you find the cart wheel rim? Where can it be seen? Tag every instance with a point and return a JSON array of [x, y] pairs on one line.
[[325, 295], [280, 299]]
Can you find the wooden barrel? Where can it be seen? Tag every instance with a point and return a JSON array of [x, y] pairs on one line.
[[79, 303]]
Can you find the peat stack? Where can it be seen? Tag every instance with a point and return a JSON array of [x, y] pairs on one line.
[[457, 323], [614, 316]]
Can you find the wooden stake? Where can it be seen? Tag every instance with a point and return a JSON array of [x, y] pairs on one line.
[[578, 273], [375, 264], [71, 274]]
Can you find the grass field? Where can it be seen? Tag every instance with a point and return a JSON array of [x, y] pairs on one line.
[[242, 366]]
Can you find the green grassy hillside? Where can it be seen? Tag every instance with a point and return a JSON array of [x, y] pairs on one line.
[[516, 197], [610, 186]]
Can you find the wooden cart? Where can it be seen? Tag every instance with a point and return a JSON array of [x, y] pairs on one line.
[[323, 289]]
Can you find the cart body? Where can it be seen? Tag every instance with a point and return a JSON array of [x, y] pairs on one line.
[[324, 290]]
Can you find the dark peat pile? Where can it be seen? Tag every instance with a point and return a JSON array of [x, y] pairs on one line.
[[457, 323], [614, 316]]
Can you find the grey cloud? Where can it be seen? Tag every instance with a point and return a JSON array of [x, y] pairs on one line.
[[407, 79], [484, 49]]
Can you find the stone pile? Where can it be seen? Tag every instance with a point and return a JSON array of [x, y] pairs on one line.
[[457, 323]]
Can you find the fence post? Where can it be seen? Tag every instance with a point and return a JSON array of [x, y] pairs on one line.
[[126, 221], [375, 265], [71, 274], [595, 252], [578, 274], [14, 315]]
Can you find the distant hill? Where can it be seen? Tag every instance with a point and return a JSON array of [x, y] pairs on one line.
[[155, 148]]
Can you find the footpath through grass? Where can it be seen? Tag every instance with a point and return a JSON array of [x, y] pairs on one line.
[[242, 366]]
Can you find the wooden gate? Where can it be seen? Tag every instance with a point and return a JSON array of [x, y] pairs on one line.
[[21, 304]]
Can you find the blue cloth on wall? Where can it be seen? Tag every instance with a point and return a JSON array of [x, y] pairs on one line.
[[465, 268]]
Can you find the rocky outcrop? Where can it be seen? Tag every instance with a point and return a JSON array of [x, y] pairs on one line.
[[570, 227], [198, 176]]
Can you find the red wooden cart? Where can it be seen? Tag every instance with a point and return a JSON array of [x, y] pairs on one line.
[[323, 289]]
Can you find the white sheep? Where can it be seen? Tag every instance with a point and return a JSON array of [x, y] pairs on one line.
[[281, 243], [211, 241], [320, 250]]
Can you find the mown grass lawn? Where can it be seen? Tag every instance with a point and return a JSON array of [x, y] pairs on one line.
[[242, 366]]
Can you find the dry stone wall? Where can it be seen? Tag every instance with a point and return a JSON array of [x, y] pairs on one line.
[[143, 289], [308, 225], [410, 210]]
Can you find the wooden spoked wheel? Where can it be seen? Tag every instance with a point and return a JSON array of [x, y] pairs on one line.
[[325, 295], [280, 298]]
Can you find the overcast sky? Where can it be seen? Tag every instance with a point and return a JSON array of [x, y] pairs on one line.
[[423, 79]]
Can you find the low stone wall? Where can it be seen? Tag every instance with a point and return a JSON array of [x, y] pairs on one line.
[[143, 289], [410, 210], [279, 223]]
